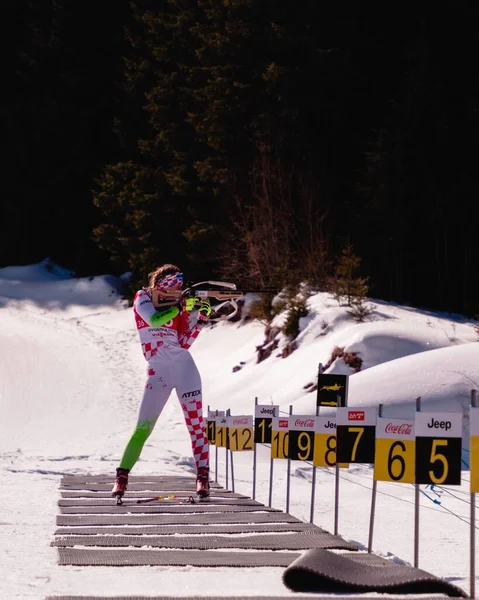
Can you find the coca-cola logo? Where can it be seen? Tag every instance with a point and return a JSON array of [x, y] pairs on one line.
[[401, 429], [283, 423], [240, 421], [306, 423], [355, 415]]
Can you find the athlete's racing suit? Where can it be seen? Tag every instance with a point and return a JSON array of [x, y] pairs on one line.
[[165, 336]]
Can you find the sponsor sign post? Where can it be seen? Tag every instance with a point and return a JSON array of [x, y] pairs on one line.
[[280, 438], [474, 448], [263, 419], [395, 450], [301, 437], [325, 443], [474, 476], [438, 448], [355, 432], [240, 432], [211, 434]]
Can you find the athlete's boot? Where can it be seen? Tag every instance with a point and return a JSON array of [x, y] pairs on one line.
[[120, 486], [203, 482]]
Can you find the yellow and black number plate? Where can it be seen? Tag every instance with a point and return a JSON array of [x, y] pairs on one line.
[[356, 435], [240, 432], [280, 437], [301, 437], [474, 448], [438, 448], [325, 443], [395, 450], [263, 419], [221, 434]]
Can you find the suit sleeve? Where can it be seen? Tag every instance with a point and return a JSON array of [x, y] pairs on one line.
[[147, 311]]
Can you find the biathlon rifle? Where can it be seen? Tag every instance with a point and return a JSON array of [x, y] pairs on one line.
[[223, 291]]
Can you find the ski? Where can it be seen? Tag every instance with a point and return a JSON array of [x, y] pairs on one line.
[[160, 497]]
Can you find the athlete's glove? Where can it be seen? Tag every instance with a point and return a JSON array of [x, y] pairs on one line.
[[204, 311], [190, 303]]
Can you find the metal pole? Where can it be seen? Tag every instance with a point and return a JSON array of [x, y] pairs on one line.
[[416, 507], [313, 481], [271, 467], [373, 500], [472, 593], [336, 498], [226, 455], [336, 478], [288, 470], [253, 495], [216, 454], [232, 472], [207, 418]]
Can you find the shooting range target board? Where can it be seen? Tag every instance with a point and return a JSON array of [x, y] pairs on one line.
[[438, 448], [301, 437], [474, 448], [263, 420], [395, 457], [240, 432], [356, 434], [280, 437]]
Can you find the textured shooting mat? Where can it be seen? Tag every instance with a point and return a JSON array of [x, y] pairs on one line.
[[164, 506], [285, 597], [278, 536], [175, 519], [154, 484], [204, 558], [319, 570], [214, 494], [229, 530], [187, 529], [291, 541]]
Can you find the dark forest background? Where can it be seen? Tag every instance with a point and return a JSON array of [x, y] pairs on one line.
[[250, 140]]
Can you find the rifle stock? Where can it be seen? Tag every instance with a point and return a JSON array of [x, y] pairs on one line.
[[227, 294]]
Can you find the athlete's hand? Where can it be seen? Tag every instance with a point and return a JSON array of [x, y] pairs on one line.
[[204, 311], [190, 303]]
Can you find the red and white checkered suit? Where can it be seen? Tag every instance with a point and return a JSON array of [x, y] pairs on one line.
[[170, 366]]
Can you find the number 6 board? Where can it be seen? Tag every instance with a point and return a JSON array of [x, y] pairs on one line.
[[395, 450]]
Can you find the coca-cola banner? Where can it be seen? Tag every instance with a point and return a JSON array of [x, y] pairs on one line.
[[240, 421], [301, 437], [398, 429], [302, 422], [240, 432]]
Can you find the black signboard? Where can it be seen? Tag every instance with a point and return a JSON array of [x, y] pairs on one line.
[[331, 389]]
